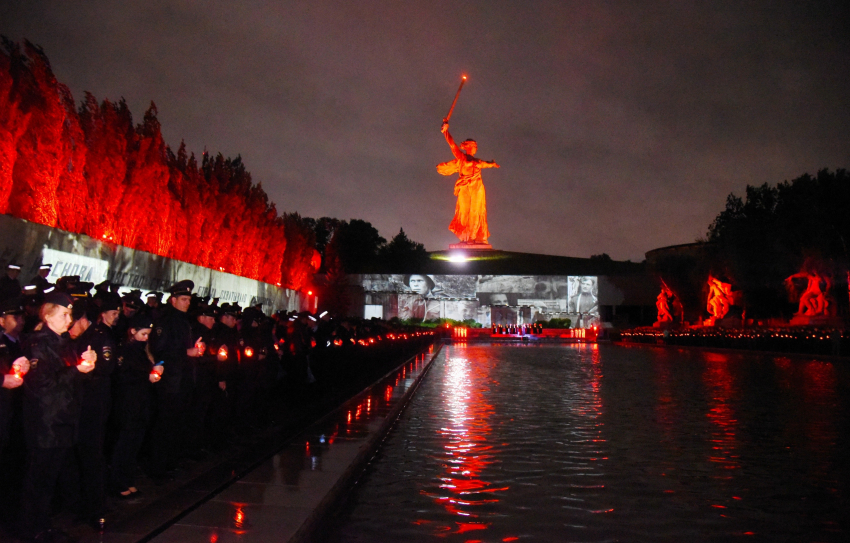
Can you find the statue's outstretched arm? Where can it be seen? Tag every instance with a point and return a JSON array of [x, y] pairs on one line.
[[489, 164], [455, 149]]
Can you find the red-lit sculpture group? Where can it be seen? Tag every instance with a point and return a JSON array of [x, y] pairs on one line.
[[815, 301], [91, 171]]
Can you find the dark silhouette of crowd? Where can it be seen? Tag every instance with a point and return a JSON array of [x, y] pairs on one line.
[[96, 384]]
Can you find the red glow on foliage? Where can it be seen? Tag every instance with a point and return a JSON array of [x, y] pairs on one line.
[[91, 171]]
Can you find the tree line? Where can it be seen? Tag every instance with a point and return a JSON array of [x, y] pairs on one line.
[[89, 169], [765, 236]]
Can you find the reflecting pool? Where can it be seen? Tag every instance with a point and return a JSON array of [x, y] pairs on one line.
[[611, 443]]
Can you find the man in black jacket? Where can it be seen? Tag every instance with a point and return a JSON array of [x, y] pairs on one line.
[[172, 346], [51, 409], [95, 401]]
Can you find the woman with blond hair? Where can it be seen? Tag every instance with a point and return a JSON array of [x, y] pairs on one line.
[[51, 409]]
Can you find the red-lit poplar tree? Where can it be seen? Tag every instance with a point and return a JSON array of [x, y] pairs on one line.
[[91, 171]]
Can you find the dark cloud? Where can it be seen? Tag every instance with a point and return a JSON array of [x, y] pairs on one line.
[[620, 126]]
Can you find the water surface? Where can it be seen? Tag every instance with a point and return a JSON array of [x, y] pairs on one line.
[[610, 443]]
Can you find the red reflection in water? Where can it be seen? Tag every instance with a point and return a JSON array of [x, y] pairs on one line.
[[812, 426], [720, 390], [239, 521], [467, 453]]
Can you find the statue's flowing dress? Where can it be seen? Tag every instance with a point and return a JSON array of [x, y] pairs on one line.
[[470, 221]]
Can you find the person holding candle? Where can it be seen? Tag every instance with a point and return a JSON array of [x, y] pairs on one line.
[[172, 343], [95, 400], [51, 409], [133, 378]]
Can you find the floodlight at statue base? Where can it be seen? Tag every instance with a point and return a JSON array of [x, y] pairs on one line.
[[471, 245]]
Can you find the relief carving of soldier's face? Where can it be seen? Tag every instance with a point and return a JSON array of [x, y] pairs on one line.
[[419, 284]]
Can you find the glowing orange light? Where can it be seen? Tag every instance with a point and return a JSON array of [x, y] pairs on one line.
[[309, 293], [338, 342], [239, 518], [249, 351]]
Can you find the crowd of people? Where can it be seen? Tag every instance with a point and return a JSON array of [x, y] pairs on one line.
[[94, 383]]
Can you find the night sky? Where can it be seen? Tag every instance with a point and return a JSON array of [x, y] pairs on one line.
[[620, 126]]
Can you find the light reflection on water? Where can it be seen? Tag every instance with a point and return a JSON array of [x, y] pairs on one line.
[[608, 443]]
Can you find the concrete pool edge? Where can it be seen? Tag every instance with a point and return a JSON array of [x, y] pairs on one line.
[[311, 524]]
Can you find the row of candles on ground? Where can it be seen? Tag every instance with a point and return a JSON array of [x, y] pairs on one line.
[[769, 333], [505, 329]]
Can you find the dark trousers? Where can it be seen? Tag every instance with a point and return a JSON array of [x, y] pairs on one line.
[[125, 455], [198, 409], [42, 472], [91, 454], [166, 439]]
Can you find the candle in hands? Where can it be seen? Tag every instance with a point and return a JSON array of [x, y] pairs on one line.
[[156, 373], [20, 367], [88, 359]]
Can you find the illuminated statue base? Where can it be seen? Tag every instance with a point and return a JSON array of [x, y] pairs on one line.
[[816, 320], [726, 322], [665, 325], [471, 245]]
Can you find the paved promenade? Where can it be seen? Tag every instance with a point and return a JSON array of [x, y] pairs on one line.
[[283, 494]]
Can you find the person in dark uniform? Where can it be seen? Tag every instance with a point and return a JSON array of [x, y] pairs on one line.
[[130, 305], [10, 287], [13, 365], [251, 355], [95, 401], [204, 376], [224, 346], [40, 280], [133, 377], [51, 410], [153, 301], [172, 345]]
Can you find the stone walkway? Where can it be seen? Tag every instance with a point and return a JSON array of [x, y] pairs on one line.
[[284, 495]]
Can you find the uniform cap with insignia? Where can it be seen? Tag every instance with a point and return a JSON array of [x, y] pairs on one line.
[[14, 306], [83, 307], [133, 300], [13, 267], [45, 266], [59, 298], [102, 287], [207, 311], [140, 321], [110, 302], [182, 288]]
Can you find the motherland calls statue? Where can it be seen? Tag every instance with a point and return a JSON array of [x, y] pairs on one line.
[[470, 221]]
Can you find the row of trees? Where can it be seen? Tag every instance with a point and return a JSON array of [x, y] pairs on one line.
[[90, 170], [764, 237]]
